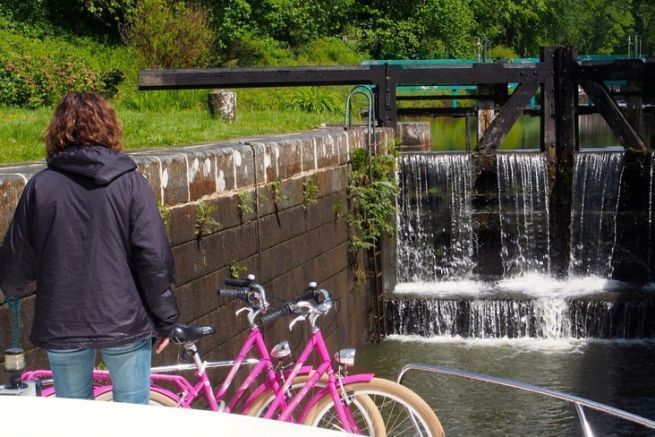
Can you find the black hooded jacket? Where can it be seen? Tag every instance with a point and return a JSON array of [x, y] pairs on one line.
[[88, 230]]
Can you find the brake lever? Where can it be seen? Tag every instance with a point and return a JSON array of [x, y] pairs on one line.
[[240, 310], [297, 319]]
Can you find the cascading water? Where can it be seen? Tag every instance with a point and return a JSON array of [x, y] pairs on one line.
[[434, 235], [598, 315], [436, 292], [523, 207], [596, 187]]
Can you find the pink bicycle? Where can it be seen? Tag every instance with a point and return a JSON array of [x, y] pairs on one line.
[[358, 404], [188, 335]]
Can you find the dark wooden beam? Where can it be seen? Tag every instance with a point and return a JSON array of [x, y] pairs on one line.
[[343, 75], [561, 164], [507, 116], [613, 115], [628, 69], [547, 104], [466, 74], [258, 77]]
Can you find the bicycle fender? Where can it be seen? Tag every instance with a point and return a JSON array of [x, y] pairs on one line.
[[350, 379]]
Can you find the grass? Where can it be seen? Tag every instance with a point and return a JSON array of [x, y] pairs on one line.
[[162, 118], [22, 130]]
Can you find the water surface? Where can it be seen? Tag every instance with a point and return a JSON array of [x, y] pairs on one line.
[[618, 373]]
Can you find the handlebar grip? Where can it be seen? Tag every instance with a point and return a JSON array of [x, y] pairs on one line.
[[285, 310], [241, 294], [237, 282]]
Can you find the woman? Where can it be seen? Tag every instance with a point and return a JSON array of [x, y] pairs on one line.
[[87, 229]]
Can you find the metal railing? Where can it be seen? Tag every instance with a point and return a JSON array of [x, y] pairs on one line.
[[576, 400]]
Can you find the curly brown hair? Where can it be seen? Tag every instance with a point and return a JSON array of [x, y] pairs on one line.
[[83, 119]]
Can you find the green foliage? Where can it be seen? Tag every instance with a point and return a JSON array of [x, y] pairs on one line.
[[169, 34], [164, 212], [37, 81], [205, 223], [501, 53], [276, 192], [337, 207], [372, 190], [245, 203], [361, 277], [312, 99], [252, 50], [166, 100], [329, 51], [309, 191], [237, 269]]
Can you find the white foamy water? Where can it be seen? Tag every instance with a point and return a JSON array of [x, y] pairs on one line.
[[530, 284], [444, 288], [568, 345], [521, 344], [539, 285]]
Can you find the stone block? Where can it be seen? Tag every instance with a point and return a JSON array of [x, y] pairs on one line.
[[276, 228], [201, 175], [222, 104], [150, 168], [174, 178], [290, 161], [199, 296], [309, 158], [414, 136], [244, 166], [181, 224], [11, 188]]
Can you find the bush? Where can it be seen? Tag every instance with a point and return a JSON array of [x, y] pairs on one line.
[[501, 53], [329, 51], [253, 51], [37, 81], [312, 99], [170, 34]]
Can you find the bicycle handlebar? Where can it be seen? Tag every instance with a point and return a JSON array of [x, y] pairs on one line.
[[241, 294], [284, 310], [300, 305], [250, 292]]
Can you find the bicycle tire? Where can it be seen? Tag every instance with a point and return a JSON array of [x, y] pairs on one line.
[[156, 398], [371, 419], [403, 411]]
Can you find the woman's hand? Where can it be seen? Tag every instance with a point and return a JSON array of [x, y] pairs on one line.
[[161, 344]]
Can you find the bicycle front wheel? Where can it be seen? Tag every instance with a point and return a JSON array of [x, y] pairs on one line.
[[367, 418], [403, 412]]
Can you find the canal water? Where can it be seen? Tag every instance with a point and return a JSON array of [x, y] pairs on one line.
[[617, 373], [449, 133]]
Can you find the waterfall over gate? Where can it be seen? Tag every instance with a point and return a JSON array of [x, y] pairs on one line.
[[434, 235], [596, 187], [603, 315], [437, 293], [523, 209]]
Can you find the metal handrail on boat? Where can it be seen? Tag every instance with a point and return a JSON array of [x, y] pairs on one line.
[[576, 400]]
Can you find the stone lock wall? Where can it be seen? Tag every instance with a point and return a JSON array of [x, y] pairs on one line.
[[274, 206]]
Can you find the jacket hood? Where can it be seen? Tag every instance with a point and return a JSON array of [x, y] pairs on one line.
[[97, 163]]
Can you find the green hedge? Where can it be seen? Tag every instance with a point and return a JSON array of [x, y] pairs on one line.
[[31, 82]]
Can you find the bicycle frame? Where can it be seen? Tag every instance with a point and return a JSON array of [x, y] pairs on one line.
[[189, 392], [316, 343]]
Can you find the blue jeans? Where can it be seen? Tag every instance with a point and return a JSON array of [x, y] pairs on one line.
[[128, 365]]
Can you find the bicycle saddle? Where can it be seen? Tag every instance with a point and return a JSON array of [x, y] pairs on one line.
[[186, 333]]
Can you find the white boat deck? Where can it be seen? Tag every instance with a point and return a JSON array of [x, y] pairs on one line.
[[26, 416]]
